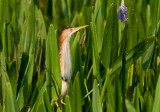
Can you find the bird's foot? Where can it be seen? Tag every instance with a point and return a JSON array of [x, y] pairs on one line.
[[56, 102], [62, 102]]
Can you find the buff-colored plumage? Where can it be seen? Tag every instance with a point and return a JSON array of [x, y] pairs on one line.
[[65, 57]]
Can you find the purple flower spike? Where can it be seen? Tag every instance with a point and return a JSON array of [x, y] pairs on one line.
[[123, 12]]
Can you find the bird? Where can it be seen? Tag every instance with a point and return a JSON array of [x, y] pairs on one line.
[[65, 58]]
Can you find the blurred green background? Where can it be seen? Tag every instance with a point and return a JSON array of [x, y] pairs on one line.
[[116, 66]]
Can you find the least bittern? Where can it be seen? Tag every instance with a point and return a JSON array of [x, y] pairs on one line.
[[65, 57]]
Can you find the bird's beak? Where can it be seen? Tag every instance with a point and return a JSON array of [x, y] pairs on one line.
[[78, 28]]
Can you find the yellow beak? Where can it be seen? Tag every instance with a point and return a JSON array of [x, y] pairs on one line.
[[78, 28]]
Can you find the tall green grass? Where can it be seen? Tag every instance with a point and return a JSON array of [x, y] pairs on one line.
[[117, 69]]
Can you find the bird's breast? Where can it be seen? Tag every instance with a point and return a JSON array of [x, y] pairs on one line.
[[66, 62]]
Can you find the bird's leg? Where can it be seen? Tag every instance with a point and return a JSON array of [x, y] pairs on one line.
[[62, 102], [56, 102], [58, 107]]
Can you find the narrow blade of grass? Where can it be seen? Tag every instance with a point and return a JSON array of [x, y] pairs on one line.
[[96, 102]]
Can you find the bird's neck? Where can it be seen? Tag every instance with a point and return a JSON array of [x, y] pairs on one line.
[[64, 50], [65, 59]]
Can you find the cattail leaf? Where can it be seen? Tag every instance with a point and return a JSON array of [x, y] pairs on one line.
[[38, 87], [136, 95], [95, 51], [23, 65], [9, 98], [52, 63], [25, 89], [40, 107], [98, 22], [1, 47], [156, 102], [118, 99], [68, 105], [5, 13], [153, 16], [21, 13], [96, 58], [123, 73], [40, 35], [29, 44], [46, 100], [85, 16], [76, 95], [103, 8], [42, 102], [147, 103], [132, 25], [96, 102], [55, 13], [12, 74], [111, 97], [6, 40], [3, 78], [110, 40], [134, 54], [140, 28], [77, 5], [110, 93], [148, 55], [1, 108], [15, 33], [20, 47], [40, 27], [64, 10], [109, 5], [129, 106], [11, 102]]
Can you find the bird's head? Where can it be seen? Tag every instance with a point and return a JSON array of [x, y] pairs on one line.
[[67, 32]]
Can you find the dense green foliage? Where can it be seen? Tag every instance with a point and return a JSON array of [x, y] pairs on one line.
[[116, 67]]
